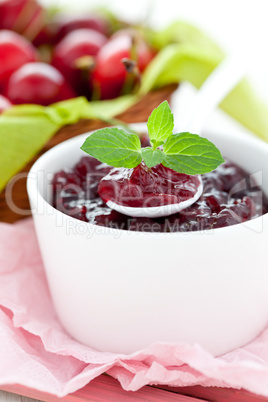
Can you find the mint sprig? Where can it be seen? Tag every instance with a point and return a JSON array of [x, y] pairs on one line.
[[183, 152]]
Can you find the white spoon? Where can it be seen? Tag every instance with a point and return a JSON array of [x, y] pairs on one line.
[[220, 82], [157, 212]]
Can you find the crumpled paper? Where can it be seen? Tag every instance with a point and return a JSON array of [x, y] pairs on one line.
[[35, 351]]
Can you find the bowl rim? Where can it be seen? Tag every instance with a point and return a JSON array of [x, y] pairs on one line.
[[34, 193]]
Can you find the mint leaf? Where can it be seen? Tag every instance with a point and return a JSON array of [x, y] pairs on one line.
[[114, 147], [152, 157], [191, 154], [160, 124]]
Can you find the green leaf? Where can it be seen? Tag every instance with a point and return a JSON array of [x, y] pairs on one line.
[[160, 124], [152, 157], [114, 147], [191, 154]]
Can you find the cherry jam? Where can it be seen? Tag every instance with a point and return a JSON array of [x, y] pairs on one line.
[[147, 187], [228, 196]]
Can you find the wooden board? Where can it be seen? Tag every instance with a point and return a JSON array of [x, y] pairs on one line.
[[107, 389]]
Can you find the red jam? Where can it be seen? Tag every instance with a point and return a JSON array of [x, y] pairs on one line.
[[228, 198], [147, 187]]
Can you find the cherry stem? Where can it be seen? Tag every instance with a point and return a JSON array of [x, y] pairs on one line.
[[130, 65], [133, 73], [85, 63]]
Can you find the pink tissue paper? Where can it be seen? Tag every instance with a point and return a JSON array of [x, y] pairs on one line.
[[36, 351]]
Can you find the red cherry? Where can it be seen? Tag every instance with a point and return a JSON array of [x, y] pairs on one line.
[[68, 23], [38, 83], [45, 36], [60, 26], [70, 50], [110, 73], [26, 17], [4, 103], [14, 52]]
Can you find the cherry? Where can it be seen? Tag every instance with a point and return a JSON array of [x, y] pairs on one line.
[[110, 73], [23, 16], [91, 166], [215, 200], [71, 56], [66, 189], [4, 103], [46, 36], [109, 218], [57, 28], [90, 171], [67, 23], [38, 83], [15, 51], [78, 212], [232, 176]]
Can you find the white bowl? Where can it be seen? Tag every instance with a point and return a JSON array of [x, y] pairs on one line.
[[120, 291]]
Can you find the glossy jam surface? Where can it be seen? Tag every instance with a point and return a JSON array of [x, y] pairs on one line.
[[228, 198], [144, 187]]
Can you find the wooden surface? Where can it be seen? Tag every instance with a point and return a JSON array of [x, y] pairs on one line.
[[105, 388], [9, 397]]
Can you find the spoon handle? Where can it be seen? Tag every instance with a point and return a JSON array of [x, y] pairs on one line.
[[219, 83]]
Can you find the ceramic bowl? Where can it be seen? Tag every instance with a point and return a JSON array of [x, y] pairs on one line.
[[121, 291]]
